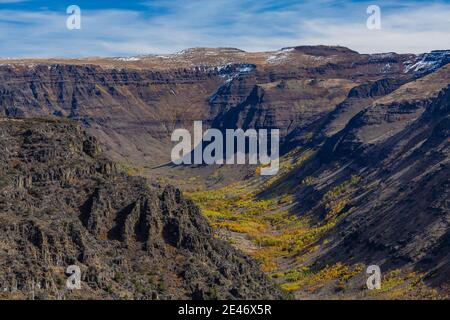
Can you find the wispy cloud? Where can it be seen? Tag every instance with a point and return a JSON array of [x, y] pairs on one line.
[[163, 26]]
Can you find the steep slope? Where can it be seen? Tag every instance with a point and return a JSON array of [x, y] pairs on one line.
[[370, 186], [133, 105], [383, 182], [401, 148], [63, 203]]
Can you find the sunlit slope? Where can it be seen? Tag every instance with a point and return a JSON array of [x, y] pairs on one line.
[[374, 192]]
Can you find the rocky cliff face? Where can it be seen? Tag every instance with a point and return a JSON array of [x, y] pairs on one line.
[[384, 171], [63, 203], [133, 106], [401, 209]]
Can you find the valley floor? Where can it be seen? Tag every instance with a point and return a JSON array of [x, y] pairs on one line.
[[285, 241]]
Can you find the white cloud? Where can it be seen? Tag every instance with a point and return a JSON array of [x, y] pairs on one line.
[[414, 31], [249, 25]]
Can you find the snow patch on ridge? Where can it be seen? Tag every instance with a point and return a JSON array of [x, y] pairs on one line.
[[280, 56], [427, 62], [230, 72], [127, 59]]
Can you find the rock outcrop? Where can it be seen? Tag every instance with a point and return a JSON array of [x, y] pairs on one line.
[[63, 203]]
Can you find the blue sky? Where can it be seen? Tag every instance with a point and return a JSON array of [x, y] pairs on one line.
[[31, 28]]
